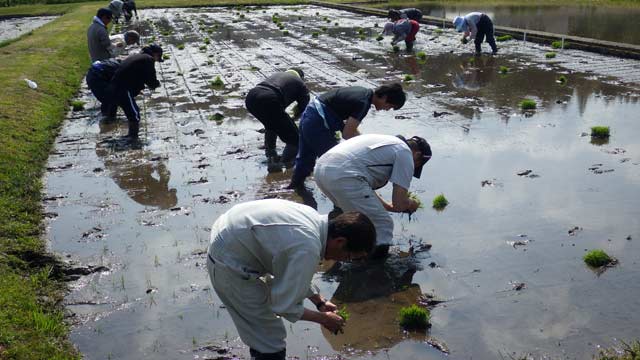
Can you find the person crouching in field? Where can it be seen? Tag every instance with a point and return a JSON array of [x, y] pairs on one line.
[[476, 26], [401, 29]]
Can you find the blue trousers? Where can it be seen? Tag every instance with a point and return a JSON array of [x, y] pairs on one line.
[[315, 140]]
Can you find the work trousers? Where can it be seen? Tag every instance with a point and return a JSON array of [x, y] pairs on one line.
[[485, 28], [125, 99], [352, 193], [266, 105], [315, 139], [247, 301], [100, 89], [411, 38]]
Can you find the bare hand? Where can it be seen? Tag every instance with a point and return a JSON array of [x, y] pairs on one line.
[[328, 307], [413, 206], [333, 322]]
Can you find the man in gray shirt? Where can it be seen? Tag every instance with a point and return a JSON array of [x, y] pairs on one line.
[[350, 172], [98, 36], [476, 26]]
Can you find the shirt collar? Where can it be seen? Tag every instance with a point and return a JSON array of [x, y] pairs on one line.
[[97, 19]]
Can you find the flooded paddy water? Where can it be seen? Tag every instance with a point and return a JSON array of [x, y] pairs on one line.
[[13, 27], [501, 267]]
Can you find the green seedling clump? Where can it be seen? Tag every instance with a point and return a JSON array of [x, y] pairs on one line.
[[556, 44], [336, 24], [600, 131], [166, 57], [241, 16], [528, 104], [421, 55], [408, 77], [414, 197], [396, 48], [562, 79], [414, 317], [376, 25], [504, 38], [324, 28], [440, 202], [380, 38], [360, 31], [217, 82], [438, 31], [203, 47], [343, 313], [504, 69], [77, 105], [285, 33], [180, 46], [207, 41], [550, 55], [217, 117], [596, 258], [315, 34]]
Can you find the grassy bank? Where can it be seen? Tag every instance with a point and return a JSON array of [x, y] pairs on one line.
[[55, 57]]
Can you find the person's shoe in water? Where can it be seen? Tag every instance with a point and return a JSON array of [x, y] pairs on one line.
[[274, 165], [296, 184], [379, 252], [134, 128]]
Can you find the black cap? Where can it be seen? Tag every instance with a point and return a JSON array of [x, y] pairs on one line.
[[423, 148], [153, 49], [394, 14], [104, 12]]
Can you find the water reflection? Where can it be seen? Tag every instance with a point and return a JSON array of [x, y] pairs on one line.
[[598, 22], [143, 176], [373, 294]]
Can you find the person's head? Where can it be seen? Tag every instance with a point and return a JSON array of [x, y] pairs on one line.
[[421, 152], [351, 236], [131, 37], [458, 23], [394, 15], [105, 15], [297, 71], [389, 96], [153, 50]]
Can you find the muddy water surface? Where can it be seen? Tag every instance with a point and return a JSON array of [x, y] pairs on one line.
[[12, 28], [505, 256]]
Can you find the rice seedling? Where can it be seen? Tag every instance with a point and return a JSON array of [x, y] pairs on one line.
[[504, 70], [360, 31], [413, 196], [558, 44], [324, 29], [562, 79], [77, 105], [336, 24], [421, 55], [376, 25], [180, 46], [343, 313], [315, 34], [203, 48], [528, 104], [414, 317], [408, 77], [217, 117], [438, 31], [600, 131], [396, 48], [380, 38], [550, 55], [597, 258], [440, 202], [504, 38], [285, 33], [207, 41], [217, 83], [242, 16]]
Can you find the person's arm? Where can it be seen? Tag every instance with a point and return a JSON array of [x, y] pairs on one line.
[[330, 320], [301, 103], [384, 203], [322, 304], [350, 128], [400, 201], [105, 41], [473, 29], [150, 77]]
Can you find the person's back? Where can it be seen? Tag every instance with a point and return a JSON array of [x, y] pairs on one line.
[[353, 101], [98, 41], [242, 238], [412, 13], [135, 72], [290, 86]]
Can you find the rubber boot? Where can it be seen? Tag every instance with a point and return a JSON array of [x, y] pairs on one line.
[[256, 355], [288, 157], [134, 128], [273, 164]]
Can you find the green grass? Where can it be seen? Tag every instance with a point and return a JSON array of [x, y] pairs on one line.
[[600, 131], [421, 55], [550, 55], [414, 317], [440, 202], [504, 70], [343, 313], [77, 105], [504, 38], [528, 104], [596, 258], [627, 351], [217, 83]]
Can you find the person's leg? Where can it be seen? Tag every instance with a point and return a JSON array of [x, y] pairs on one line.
[[128, 104], [247, 302], [315, 140], [490, 36], [287, 131], [482, 30], [256, 355], [409, 45], [262, 103]]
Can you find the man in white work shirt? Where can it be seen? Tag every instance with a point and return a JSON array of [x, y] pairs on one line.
[[350, 172], [262, 257]]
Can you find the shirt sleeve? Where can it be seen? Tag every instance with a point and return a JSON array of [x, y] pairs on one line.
[[402, 168], [150, 77], [303, 99], [473, 29]]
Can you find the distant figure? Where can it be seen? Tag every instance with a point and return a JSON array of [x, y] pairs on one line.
[[128, 8], [261, 260], [116, 8], [338, 110], [134, 73], [120, 41], [409, 13], [99, 78], [268, 102], [98, 36], [350, 173], [476, 26], [401, 29]]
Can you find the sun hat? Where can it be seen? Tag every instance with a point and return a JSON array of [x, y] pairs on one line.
[[459, 24]]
